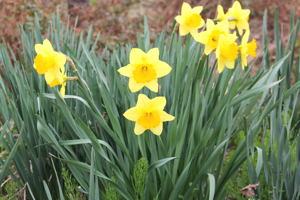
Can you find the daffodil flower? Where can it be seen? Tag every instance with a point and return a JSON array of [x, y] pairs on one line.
[[238, 17], [190, 19], [247, 49], [226, 52], [210, 37], [47, 59], [51, 64], [148, 114], [144, 69]]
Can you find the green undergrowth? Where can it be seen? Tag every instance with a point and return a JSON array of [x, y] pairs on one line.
[[10, 191]]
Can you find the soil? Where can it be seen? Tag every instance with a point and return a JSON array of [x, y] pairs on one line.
[[118, 21]]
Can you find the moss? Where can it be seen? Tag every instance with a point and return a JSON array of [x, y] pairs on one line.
[[70, 185], [9, 191], [111, 192]]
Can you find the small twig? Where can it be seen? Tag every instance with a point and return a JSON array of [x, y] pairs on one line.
[[8, 179], [75, 78]]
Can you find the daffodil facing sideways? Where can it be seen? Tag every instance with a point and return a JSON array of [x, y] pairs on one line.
[[144, 69], [226, 52], [148, 114], [238, 17], [247, 49], [48, 60], [210, 37], [51, 64], [190, 19]]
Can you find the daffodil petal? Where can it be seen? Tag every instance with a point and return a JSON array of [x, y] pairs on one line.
[[183, 30], [194, 32], [221, 66], [245, 37], [178, 19], [246, 12], [166, 117], [132, 114], [63, 89], [221, 15], [208, 49], [236, 5], [126, 70], [136, 56], [134, 86], [185, 8], [153, 54], [53, 78], [157, 130], [197, 9], [201, 37], [138, 129], [152, 85], [251, 48], [142, 100], [61, 59], [244, 61], [210, 24], [47, 44], [39, 48], [162, 69], [159, 102]]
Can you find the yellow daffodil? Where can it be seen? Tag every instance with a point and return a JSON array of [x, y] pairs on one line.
[[247, 48], [238, 17], [51, 64], [227, 51], [148, 114], [144, 69], [190, 19], [47, 59], [221, 16], [210, 37]]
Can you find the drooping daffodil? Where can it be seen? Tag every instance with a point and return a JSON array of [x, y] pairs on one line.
[[50, 63], [247, 49]]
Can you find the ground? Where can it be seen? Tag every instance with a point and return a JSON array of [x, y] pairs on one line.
[[120, 20]]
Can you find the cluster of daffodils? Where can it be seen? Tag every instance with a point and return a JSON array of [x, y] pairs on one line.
[[144, 70], [51, 64], [220, 34]]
